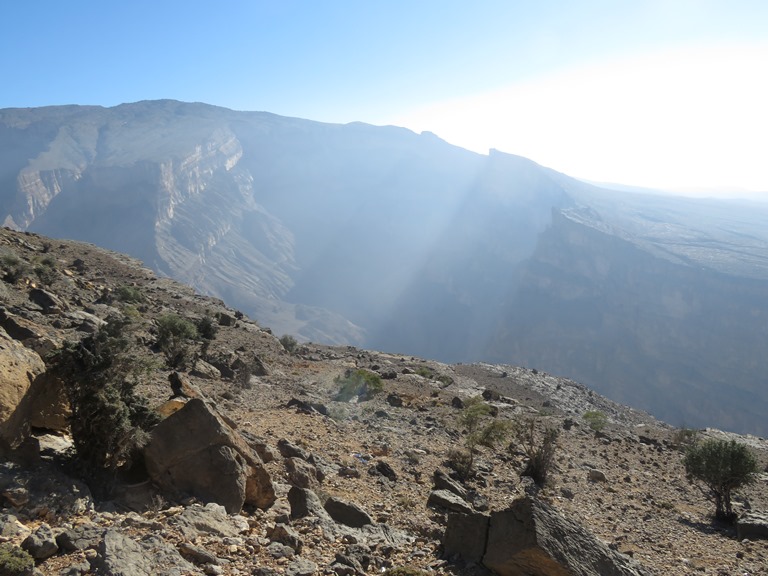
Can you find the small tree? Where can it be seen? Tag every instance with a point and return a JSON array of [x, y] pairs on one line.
[[482, 430], [722, 466], [109, 421]]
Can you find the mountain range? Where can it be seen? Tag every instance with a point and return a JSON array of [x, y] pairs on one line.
[[396, 241]]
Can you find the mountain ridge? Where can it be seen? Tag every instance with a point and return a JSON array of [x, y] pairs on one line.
[[381, 237]]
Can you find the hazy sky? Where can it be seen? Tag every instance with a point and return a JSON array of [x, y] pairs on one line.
[[665, 93]]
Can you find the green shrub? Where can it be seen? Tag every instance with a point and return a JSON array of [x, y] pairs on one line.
[[14, 561], [722, 466], [539, 449], [173, 335], [13, 268], [130, 295], [361, 383], [482, 429], [424, 372], [207, 328], [289, 343], [46, 271], [684, 438], [462, 461], [595, 419], [109, 420]]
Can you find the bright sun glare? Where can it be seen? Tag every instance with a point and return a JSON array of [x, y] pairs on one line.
[[694, 118]]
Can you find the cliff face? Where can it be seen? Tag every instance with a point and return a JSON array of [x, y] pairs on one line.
[[397, 241], [681, 341]]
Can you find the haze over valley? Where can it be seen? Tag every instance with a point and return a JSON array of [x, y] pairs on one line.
[[387, 239]]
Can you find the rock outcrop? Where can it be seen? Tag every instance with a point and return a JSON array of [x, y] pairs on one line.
[[195, 451], [531, 537], [19, 366]]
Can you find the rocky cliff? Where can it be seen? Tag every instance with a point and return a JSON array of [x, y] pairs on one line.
[[379, 236]]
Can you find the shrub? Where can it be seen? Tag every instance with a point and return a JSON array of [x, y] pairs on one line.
[[361, 383], [684, 438], [14, 561], [289, 343], [130, 295], [722, 466], [46, 271], [539, 449], [595, 419], [482, 429], [13, 268], [462, 461], [109, 421], [173, 335], [207, 328]]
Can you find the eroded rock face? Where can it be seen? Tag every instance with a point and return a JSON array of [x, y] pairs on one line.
[[530, 537], [19, 366], [194, 451]]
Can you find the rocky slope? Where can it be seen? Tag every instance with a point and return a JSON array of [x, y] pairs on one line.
[[370, 461], [379, 237]]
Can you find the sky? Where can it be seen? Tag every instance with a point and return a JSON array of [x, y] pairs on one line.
[[666, 94]]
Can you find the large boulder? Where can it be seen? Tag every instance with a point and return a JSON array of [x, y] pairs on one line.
[[19, 366], [194, 451], [752, 525], [530, 537]]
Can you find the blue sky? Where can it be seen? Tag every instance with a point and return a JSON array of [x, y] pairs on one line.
[[667, 93]]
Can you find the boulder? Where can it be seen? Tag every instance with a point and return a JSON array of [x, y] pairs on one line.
[[209, 520], [19, 367], [48, 404], [301, 473], [181, 386], [290, 450], [449, 501], [119, 554], [49, 302], [304, 502], [752, 525], [466, 536], [596, 475], [444, 482], [194, 451], [10, 527], [532, 538], [287, 536], [347, 513], [41, 544]]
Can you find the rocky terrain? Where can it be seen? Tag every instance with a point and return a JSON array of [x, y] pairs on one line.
[[330, 485], [385, 239]]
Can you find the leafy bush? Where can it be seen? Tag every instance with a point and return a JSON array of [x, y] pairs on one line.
[[684, 438], [207, 328], [46, 271], [361, 383], [173, 335], [539, 448], [722, 466], [289, 343], [130, 295], [13, 268], [595, 419], [14, 561], [109, 421], [482, 429]]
